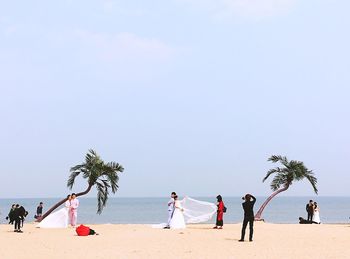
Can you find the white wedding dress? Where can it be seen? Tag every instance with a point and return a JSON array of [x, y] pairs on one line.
[[316, 216], [178, 220], [58, 219], [194, 211]]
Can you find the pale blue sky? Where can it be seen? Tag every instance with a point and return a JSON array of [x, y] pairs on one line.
[[187, 95]]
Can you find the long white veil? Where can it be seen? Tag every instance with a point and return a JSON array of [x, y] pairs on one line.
[[196, 211]]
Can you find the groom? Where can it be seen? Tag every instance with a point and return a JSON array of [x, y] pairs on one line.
[[310, 210], [74, 204], [171, 207]]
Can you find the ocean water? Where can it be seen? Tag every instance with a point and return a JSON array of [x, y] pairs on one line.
[[154, 210]]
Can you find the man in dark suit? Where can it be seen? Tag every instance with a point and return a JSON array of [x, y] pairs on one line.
[[310, 210], [19, 214], [248, 206]]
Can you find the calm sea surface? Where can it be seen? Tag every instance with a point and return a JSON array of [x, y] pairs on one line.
[[154, 210]]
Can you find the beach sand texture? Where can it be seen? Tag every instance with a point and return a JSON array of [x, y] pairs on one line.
[[197, 241]]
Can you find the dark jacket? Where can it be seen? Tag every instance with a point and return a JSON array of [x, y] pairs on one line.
[[248, 207]]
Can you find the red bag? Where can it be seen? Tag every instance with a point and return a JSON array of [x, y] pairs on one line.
[[82, 230]]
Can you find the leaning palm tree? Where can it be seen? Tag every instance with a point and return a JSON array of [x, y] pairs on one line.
[[97, 173], [290, 172]]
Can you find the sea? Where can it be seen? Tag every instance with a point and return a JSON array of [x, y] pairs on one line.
[[154, 210]]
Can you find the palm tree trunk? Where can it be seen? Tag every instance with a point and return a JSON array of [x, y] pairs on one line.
[[260, 211], [47, 213]]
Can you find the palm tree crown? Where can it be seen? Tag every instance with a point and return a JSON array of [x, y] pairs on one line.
[[97, 172], [291, 171]]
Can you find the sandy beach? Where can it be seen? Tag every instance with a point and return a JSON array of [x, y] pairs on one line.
[[197, 241]]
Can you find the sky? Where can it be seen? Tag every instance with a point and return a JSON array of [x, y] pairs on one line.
[[191, 96]]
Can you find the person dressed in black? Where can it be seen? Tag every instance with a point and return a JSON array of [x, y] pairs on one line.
[[10, 216], [39, 211], [304, 221], [19, 214], [310, 210], [248, 206]]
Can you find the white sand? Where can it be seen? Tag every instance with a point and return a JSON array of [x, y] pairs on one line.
[[197, 241]]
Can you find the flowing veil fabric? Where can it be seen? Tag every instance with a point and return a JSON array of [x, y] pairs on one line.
[[195, 211], [58, 219]]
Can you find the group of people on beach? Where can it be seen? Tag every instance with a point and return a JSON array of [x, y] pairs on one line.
[[313, 214], [16, 216], [18, 213], [176, 218], [63, 217]]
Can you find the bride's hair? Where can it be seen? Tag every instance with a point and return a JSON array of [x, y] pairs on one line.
[[175, 197]]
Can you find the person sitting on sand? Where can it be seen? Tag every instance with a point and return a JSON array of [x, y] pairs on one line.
[[305, 221]]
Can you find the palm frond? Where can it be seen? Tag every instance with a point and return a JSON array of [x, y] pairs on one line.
[[270, 172], [275, 159], [278, 180], [71, 179], [313, 180]]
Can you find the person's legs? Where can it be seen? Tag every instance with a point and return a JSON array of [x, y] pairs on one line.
[[244, 226], [74, 217], [170, 215], [17, 225], [251, 229]]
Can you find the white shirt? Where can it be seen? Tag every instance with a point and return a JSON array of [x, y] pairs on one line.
[[171, 204], [74, 203]]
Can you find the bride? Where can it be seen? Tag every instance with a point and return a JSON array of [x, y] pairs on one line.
[[58, 219], [178, 220], [316, 216]]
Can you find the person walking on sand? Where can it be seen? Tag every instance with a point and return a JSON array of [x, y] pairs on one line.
[[310, 210], [74, 204], [171, 208], [248, 206]]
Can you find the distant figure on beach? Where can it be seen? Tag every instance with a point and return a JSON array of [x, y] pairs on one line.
[[58, 219], [304, 221], [19, 215], [171, 208], [220, 213], [177, 221], [10, 216], [74, 204], [310, 210], [248, 207], [316, 214], [39, 210]]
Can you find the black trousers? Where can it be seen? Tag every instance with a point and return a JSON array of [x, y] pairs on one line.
[[17, 224], [244, 226], [310, 215]]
